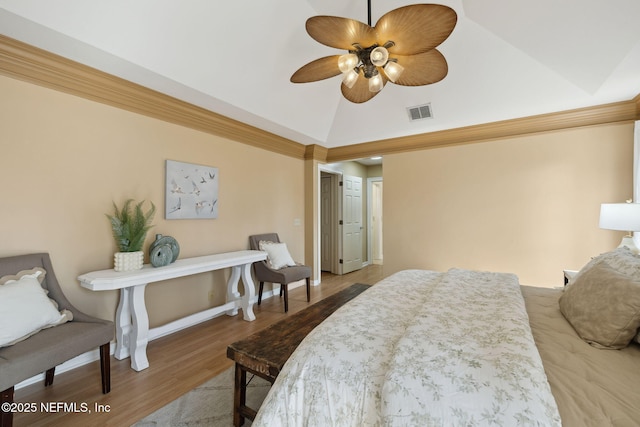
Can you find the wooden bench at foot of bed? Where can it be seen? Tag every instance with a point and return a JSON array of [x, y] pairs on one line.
[[264, 353]]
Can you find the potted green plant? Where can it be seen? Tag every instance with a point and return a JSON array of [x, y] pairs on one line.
[[130, 226]]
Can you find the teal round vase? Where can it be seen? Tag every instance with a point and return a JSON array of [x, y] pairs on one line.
[[163, 251]]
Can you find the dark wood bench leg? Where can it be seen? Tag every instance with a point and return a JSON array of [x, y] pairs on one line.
[[6, 418], [308, 289], [239, 395], [48, 376], [105, 368]]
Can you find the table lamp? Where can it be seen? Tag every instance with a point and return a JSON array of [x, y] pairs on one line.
[[623, 217]]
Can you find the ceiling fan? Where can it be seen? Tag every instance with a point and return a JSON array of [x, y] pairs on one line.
[[401, 48]]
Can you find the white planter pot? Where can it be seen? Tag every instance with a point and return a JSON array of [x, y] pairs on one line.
[[128, 261]]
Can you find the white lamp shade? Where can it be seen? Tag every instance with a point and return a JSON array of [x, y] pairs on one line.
[[379, 56], [375, 83], [349, 78], [347, 62], [620, 216], [393, 70]]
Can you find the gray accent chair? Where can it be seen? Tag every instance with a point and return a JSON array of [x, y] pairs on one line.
[[50, 347], [284, 276]]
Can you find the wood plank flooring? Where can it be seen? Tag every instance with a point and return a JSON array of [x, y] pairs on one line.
[[178, 363]]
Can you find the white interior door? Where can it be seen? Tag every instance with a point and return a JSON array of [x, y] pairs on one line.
[[351, 223]]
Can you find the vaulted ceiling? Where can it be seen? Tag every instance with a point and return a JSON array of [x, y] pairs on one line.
[[506, 59]]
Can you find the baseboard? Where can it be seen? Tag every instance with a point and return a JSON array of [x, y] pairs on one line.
[[155, 333]]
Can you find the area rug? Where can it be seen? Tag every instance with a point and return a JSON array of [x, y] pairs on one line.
[[210, 404]]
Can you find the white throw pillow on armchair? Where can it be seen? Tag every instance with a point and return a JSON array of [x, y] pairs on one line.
[[277, 254], [25, 309]]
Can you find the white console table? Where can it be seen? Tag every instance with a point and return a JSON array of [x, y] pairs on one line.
[[132, 320]]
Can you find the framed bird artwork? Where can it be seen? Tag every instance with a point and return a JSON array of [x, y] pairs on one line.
[[191, 191]]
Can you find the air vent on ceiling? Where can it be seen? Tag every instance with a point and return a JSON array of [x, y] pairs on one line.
[[420, 112]]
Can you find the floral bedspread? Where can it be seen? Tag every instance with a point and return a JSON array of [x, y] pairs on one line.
[[420, 348]]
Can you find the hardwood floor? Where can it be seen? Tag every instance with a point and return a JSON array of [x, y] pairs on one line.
[[178, 363]]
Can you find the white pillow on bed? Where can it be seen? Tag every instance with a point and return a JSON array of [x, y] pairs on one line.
[[277, 254], [26, 309]]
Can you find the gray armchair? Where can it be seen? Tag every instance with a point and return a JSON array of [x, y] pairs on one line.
[[283, 276], [50, 347]]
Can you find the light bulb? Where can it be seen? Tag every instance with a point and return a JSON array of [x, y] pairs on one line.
[[349, 78], [379, 56], [347, 62], [375, 83], [393, 70]]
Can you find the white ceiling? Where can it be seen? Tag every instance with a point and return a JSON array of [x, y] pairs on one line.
[[506, 59]]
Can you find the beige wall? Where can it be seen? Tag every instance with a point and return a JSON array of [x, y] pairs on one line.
[[374, 171], [527, 205], [64, 160]]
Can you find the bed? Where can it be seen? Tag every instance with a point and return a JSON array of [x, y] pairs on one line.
[[466, 348]]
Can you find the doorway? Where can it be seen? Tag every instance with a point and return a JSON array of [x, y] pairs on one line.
[[349, 227], [329, 221]]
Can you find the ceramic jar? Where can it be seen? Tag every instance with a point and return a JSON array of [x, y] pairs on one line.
[[163, 251]]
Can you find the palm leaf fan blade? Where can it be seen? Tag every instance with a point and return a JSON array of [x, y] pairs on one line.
[[319, 69], [340, 33], [422, 69], [416, 28]]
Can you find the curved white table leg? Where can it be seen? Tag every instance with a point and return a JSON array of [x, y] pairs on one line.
[[139, 336], [123, 325], [232, 289], [249, 293]]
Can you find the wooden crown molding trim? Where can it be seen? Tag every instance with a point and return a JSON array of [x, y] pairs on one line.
[[28, 63], [316, 152], [25, 62], [601, 114]]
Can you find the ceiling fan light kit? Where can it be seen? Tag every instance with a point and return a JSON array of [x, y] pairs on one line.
[[401, 48]]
